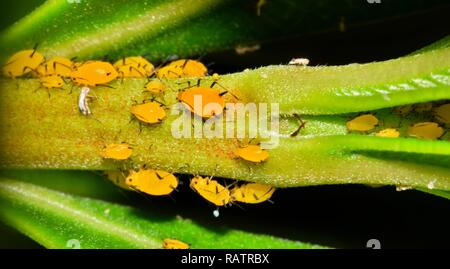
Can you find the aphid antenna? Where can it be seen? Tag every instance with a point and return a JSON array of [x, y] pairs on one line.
[[215, 82], [54, 65], [170, 196], [104, 85], [25, 68]]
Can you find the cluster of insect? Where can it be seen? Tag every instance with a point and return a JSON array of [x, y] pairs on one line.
[[52, 73], [435, 127]]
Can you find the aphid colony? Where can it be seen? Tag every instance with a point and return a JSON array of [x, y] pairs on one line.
[[52, 73], [437, 120], [157, 182]]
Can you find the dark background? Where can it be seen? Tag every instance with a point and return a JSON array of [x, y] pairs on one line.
[[336, 216]]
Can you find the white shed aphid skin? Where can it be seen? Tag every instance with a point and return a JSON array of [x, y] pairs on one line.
[[83, 100], [299, 61]]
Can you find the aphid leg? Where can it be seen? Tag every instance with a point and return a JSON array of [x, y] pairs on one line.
[[185, 63], [173, 188], [17, 84], [137, 70], [25, 68], [71, 89], [170, 71], [121, 77]]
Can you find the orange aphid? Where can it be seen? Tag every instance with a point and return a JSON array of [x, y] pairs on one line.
[[252, 153], [150, 112], [134, 67], [442, 113], [426, 130], [153, 182], [388, 132], [170, 243], [211, 190], [93, 73], [51, 81], [252, 193], [362, 123], [204, 102], [22, 63], [121, 151], [182, 68], [155, 86]]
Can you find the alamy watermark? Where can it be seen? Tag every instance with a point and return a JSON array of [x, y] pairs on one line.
[[234, 120]]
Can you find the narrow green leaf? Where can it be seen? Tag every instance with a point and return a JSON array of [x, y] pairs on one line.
[[58, 220], [158, 29]]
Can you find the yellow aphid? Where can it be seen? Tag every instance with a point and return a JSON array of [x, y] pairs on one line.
[[204, 102], [117, 177], [93, 73], [121, 151], [442, 113], [211, 190], [426, 130], [362, 123], [252, 153], [153, 182], [22, 63], [169, 71], [252, 193], [155, 86], [182, 68], [191, 68], [169, 243], [150, 112], [56, 66], [51, 81], [134, 67], [389, 132]]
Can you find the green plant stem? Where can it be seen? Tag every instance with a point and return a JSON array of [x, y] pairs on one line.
[[352, 88], [43, 132]]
